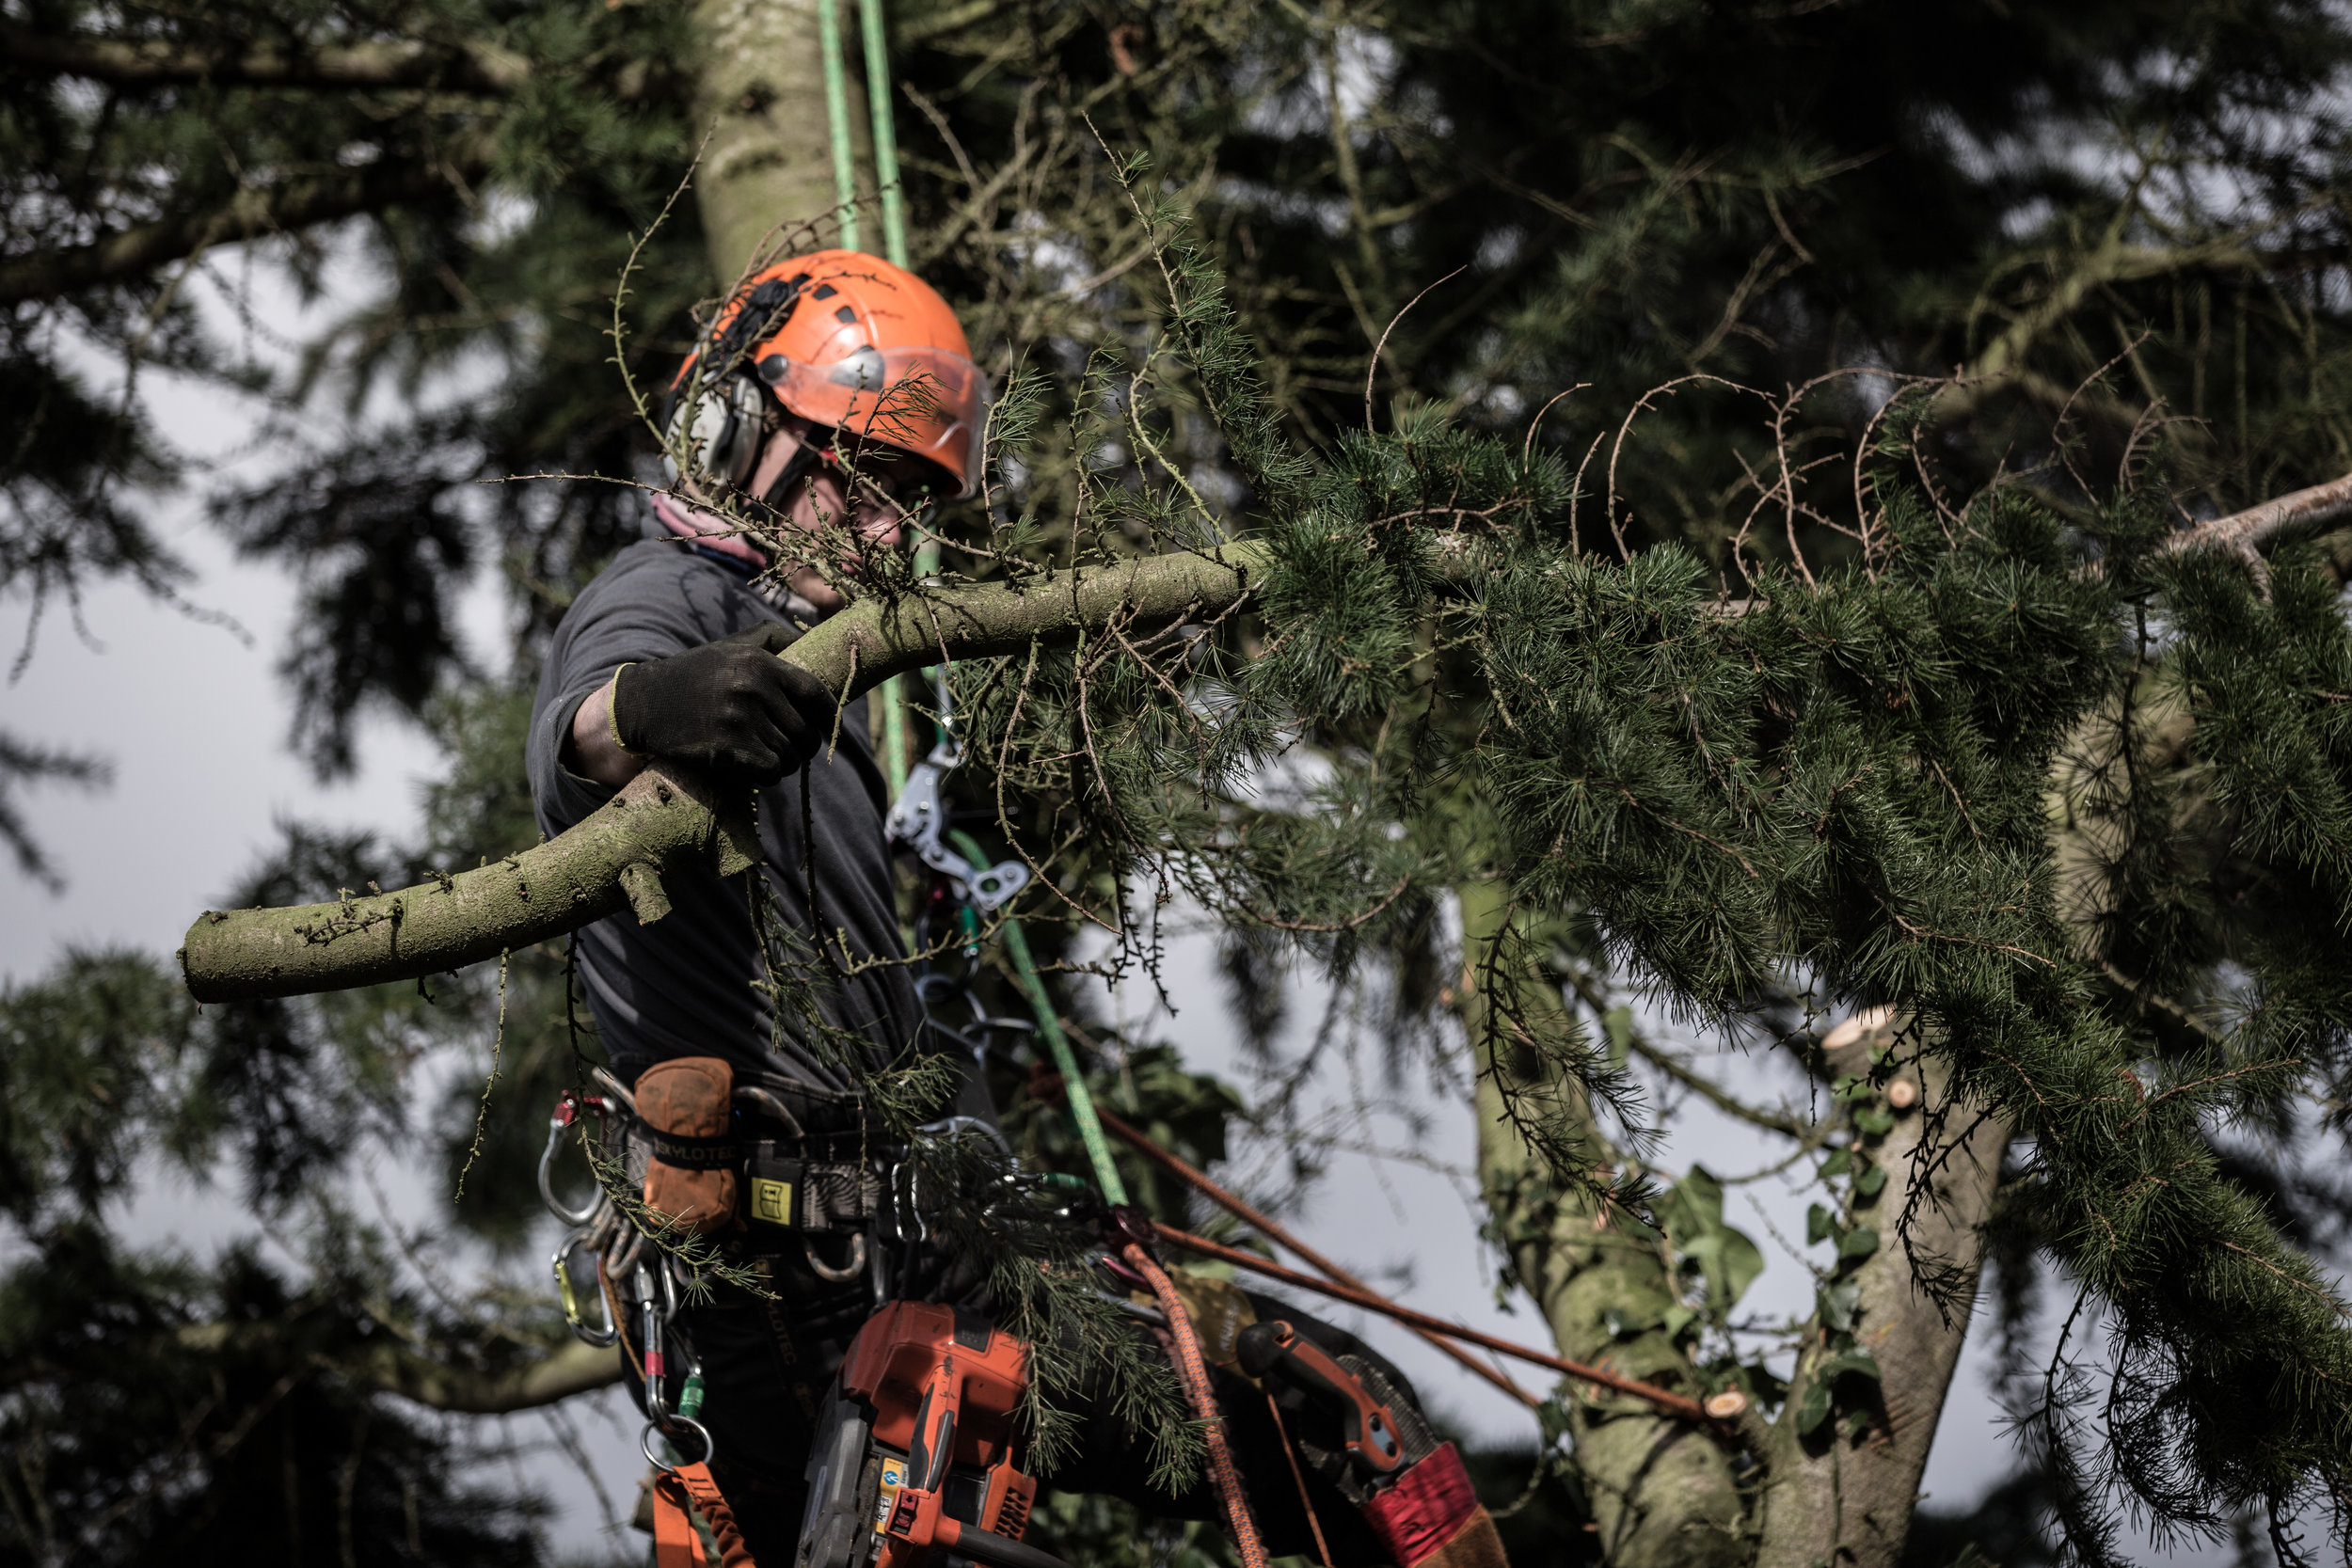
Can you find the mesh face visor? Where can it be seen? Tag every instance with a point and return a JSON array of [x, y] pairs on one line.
[[929, 401]]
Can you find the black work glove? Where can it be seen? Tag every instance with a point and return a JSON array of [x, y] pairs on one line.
[[730, 708]]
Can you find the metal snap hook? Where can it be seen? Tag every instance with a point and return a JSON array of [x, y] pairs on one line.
[[654, 1429]]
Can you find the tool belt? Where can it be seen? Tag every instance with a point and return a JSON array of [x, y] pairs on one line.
[[786, 1191], [758, 1157]]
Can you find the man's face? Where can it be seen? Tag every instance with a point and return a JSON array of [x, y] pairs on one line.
[[864, 488]]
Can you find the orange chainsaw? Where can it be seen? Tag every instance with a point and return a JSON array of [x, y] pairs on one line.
[[914, 1464]]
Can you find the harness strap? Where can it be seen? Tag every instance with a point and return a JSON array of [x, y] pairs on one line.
[[678, 1495], [689, 1153]]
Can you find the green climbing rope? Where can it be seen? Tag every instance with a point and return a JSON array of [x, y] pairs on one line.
[[837, 121], [877, 102], [894, 747], [1049, 1025]]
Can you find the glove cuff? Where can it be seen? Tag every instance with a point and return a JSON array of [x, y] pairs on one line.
[[613, 714]]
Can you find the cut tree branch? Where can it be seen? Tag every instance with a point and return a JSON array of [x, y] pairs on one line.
[[615, 858], [2259, 528], [663, 818], [298, 204], [575, 1369], [569, 1369], [162, 62]]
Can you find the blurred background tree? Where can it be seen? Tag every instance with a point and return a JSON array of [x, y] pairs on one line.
[[1543, 212]]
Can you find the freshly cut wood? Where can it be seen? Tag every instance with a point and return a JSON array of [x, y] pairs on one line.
[[664, 817]]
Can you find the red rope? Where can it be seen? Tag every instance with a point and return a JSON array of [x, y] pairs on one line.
[[1266, 1225], [1322, 1550], [1672, 1404], [1195, 1372]]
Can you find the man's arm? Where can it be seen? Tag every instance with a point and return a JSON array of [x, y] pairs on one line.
[[590, 750]]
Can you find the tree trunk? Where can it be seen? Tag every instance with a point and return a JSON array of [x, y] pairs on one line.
[[1847, 1501], [760, 93], [1662, 1491]]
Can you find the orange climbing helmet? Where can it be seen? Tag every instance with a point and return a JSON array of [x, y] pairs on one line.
[[840, 339]]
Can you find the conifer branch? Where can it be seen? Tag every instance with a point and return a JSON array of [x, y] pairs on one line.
[[473, 67], [296, 203], [573, 1370]]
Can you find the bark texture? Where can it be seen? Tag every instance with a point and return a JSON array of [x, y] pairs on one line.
[[615, 858], [1847, 1499], [1662, 1491], [760, 93]]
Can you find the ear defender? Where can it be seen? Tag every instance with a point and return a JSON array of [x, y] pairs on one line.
[[720, 432]]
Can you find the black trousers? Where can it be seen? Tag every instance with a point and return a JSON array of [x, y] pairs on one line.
[[767, 1365]]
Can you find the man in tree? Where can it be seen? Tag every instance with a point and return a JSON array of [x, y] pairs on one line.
[[834, 394]]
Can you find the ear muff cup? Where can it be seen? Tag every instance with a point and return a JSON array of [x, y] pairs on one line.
[[720, 432]]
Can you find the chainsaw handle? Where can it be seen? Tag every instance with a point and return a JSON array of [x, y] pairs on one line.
[[1368, 1425], [985, 1545], [933, 1446]]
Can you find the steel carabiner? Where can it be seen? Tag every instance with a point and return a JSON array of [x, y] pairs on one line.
[[568, 1109], [611, 1333]]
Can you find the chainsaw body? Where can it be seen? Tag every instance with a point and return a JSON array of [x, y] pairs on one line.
[[914, 1458]]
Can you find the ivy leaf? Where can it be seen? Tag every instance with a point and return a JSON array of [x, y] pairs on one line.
[[1871, 1181], [1841, 1161], [1819, 1222], [1848, 1086], [1837, 1304], [1813, 1408], [1857, 1243], [1857, 1363], [1623, 1324], [1676, 1320], [1874, 1120], [1729, 1259]]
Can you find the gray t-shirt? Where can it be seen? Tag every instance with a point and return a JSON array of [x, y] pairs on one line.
[[686, 984]]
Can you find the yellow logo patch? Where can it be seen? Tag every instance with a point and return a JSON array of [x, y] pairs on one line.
[[771, 1201]]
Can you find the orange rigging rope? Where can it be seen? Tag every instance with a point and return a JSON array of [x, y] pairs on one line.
[[1273, 1231], [1195, 1373], [1673, 1404]]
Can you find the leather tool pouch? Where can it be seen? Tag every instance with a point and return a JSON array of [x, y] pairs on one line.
[[686, 1105]]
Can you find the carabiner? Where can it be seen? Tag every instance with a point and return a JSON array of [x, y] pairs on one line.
[[610, 1332], [567, 1108]]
